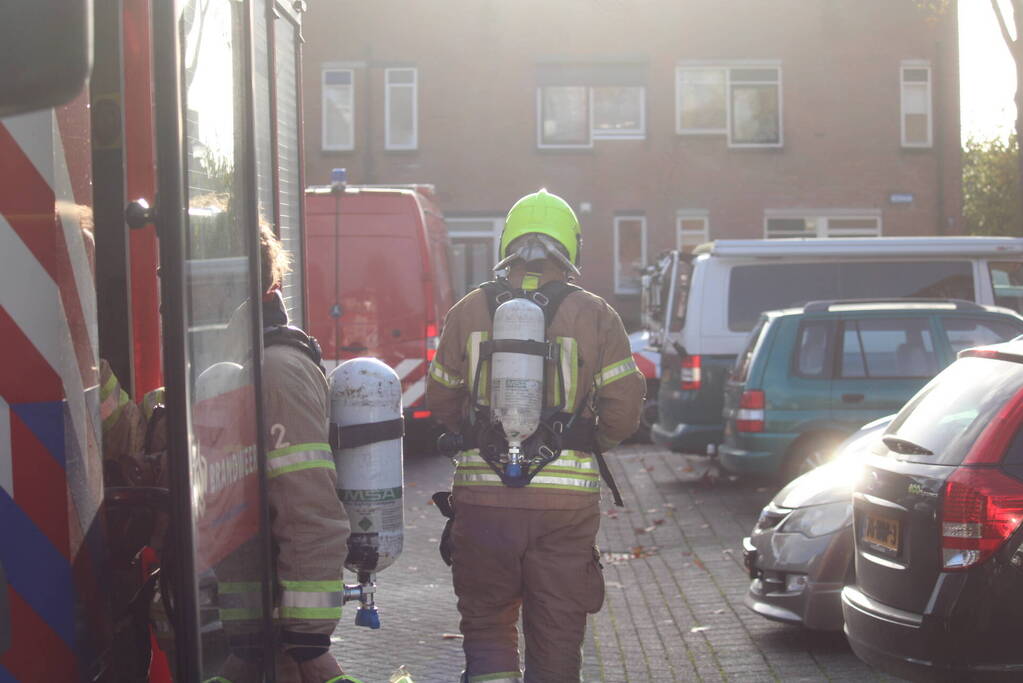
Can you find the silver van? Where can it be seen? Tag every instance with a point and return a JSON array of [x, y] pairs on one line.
[[708, 302]]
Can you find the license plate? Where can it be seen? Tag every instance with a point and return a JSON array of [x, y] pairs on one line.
[[882, 533]]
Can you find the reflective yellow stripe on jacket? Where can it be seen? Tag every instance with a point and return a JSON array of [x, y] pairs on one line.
[[472, 353], [243, 600], [615, 371], [571, 471], [311, 600], [302, 456], [112, 399], [445, 376]]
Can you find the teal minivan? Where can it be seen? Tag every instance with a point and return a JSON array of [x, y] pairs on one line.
[[811, 376]]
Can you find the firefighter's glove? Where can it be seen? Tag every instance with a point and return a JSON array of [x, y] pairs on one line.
[[444, 503]]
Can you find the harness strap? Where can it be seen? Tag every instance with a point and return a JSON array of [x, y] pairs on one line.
[[545, 350], [605, 474], [548, 297], [366, 433]]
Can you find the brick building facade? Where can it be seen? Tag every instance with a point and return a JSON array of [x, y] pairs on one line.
[[663, 122]]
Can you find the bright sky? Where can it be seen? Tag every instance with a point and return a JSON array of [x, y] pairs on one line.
[[987, 73]]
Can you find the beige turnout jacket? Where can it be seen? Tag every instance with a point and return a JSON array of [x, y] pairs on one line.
[[598, 368]]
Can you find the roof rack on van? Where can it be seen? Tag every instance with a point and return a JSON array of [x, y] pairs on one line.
[[859, 247], [427, 189], [904, 302]]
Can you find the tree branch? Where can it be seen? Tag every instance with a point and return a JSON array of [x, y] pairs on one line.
[[1009, 42]]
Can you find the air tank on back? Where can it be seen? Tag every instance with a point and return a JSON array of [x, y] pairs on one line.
[[516, 395], [366, 429]]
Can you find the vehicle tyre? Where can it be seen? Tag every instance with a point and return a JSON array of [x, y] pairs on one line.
[[808, 452]]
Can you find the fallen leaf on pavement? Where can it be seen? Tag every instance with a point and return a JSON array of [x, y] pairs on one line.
[[639, 530], [699, 563], [658, 522], [451, 636]]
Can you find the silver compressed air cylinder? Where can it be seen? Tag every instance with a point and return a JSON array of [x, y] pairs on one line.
[[516, 394], [365, 411]]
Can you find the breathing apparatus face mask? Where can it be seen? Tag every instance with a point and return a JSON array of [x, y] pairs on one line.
[[534, 247]]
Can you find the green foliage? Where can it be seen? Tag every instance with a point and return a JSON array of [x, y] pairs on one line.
[[991, 186], [935, 6]]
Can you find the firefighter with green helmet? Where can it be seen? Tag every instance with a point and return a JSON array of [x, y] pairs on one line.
[[534, 380]]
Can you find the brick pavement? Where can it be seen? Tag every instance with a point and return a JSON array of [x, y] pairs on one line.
[[675, 586]]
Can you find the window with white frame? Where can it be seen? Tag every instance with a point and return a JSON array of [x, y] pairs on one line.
[[473, 243], [741, 101], [850, 224], [576, 115], [400, 108], [338, 87], [691, 229], [629, 253], [917, 120]]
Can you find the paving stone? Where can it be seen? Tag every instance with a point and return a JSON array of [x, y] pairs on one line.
[[674, 613]]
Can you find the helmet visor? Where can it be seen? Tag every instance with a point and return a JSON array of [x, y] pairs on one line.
[[534, 247]]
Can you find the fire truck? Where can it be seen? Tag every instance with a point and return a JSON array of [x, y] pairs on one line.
[[141, 144]]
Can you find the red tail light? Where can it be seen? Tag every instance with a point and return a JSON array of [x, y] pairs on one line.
[[432, 340], [420, 414], [982, 507], [750, 417], [690, 374]]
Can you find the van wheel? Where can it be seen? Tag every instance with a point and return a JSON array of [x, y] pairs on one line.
[[808, 453]]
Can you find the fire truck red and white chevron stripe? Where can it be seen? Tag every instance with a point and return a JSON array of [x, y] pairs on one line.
[[50, 466]]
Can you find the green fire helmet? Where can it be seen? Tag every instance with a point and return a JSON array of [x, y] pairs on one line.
[[543, 213]]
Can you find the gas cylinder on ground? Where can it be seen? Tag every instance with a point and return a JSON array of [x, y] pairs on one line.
[[366, 429], [516, 395]]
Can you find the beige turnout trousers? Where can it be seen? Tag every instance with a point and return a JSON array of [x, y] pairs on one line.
[[543, 561]]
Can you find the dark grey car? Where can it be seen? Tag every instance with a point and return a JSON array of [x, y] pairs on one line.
[[800, 554]]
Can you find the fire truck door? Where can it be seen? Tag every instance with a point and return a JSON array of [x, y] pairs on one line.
[[208, 225]]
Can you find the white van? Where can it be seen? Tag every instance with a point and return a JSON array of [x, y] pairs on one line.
[[718, 296]]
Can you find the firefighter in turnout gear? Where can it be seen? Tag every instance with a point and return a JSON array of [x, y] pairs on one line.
[[309, 526], [526, 507]]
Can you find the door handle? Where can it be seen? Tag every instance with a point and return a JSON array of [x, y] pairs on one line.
[[852, 398]]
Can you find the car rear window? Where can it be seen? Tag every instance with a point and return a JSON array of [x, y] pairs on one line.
[[965, 332], [888, 347], [741, 370], [948, 414], [760, 287], [813, 348]]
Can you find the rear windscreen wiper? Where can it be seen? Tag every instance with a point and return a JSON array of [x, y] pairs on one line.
[[904, 447]]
